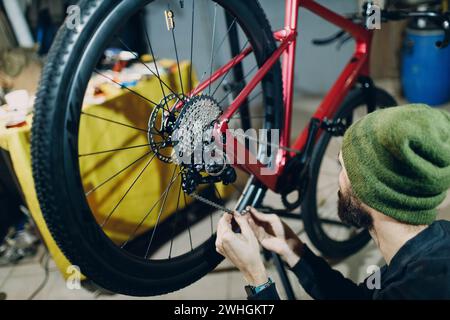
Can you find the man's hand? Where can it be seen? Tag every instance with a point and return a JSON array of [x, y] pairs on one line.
[[242, 249], [275, 235]]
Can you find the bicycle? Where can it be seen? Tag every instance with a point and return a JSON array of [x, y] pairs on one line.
[[137, 267]]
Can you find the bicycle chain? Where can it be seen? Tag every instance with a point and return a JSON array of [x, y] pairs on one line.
[[211, 203]]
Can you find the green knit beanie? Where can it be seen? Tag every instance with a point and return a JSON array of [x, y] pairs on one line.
[[398, 161]]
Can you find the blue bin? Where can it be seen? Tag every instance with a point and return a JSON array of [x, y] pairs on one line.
[[425, 71]]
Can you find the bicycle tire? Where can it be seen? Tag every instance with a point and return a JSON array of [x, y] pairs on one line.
[[54, 138]]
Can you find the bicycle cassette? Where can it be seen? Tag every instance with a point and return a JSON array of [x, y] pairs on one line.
[[193, 128]]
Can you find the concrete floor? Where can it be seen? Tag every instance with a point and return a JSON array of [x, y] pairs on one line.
[[20, 281]]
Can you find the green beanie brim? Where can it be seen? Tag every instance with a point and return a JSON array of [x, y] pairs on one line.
[[398, 161]]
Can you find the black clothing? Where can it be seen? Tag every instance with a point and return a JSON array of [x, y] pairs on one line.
[[419, 270]]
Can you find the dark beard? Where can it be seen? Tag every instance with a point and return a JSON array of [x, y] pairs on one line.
[[351, 212]]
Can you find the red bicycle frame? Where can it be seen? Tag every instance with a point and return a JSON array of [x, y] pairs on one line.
[[287, 37]]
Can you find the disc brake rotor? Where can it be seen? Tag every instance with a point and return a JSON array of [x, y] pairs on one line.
[[160, 129]]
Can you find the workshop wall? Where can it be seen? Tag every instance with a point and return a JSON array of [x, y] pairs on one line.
[[317, 67]]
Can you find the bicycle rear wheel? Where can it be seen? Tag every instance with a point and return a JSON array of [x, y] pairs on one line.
[[145, 260]]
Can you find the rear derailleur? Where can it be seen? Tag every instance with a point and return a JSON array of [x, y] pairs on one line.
[[195, 175]]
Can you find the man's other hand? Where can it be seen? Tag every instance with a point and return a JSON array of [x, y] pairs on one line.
[[242, 249], [275, 235]]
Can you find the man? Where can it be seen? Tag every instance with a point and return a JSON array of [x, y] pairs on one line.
[[395, 172]]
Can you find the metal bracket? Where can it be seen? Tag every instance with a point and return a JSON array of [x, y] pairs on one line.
[[335, 127]]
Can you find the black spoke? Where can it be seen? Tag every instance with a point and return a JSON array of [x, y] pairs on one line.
[[178, 62], [113, 150], [113, 121], [228, 72], [236, 85], [201, 79], [116, 174], [154, 62], [192, 45], [177, 215], [212, 48], [144, 218], [176, 56], [147, 67], [128, 190], [216, 50], [125, 87], [225, 36], [188, 223], [161, 209], [255, 96]]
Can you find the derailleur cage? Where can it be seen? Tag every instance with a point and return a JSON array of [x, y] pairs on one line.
[[192, 176]]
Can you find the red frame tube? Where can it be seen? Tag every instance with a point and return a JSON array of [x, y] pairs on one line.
[[357, 66]]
